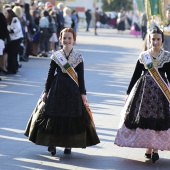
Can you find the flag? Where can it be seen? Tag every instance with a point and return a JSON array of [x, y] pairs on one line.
[[154, 4], [140, 4]]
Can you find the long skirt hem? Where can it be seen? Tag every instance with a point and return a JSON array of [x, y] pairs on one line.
[[34, 132], [143, 138]]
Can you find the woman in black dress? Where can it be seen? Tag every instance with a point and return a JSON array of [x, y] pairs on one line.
[[121, 21], [63, 120]]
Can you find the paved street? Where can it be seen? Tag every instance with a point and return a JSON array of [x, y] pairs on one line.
[[109, 63]]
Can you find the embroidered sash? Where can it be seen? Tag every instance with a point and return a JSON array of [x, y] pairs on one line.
[[63, 63], [156, 76]]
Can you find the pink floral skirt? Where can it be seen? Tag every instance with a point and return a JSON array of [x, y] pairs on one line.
[[134, 32], [145, 118], [143, 138]]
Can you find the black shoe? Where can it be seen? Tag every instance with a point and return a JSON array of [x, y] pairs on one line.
[[19, 65], [44, 55], [12, 72], [39, 55], [52, 150], [4, 72], [67, 151], [148, 155], [22, 59], [33, 54], [155, 157]]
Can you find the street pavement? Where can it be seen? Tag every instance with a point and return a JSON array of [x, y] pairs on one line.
[[109, 63]]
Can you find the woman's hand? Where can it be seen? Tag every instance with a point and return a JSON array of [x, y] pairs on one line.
[[84, 98], [44, 97]]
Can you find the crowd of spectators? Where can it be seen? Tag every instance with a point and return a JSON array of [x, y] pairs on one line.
[[31, 29]]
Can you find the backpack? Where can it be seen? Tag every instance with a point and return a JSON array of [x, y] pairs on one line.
[[52, 27]]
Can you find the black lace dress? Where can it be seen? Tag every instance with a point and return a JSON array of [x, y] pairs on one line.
[[145, 121], [63, 120]]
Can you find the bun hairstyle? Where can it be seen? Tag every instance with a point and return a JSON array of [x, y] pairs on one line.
[[156, 30]]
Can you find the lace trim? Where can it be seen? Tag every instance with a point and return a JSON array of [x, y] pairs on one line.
[[164, 58], [74, 59]]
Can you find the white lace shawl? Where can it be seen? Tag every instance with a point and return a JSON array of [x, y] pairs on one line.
[[74, 59], [164, 58]]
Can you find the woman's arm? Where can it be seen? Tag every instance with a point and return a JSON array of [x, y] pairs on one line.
[[80, 72], [50, 76], [136, 75]]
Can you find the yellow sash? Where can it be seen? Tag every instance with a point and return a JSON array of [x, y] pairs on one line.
[[156, 76], [62, 61]]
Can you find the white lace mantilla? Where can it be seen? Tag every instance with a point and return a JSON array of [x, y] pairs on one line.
[[74, 59], [162, 59]]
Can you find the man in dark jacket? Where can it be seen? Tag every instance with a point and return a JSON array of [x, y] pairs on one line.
[[144, 25], [88, 18], [97, 20]]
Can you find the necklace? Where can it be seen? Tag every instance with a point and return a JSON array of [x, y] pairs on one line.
[[157, 57], [67, 56], [155, 60]]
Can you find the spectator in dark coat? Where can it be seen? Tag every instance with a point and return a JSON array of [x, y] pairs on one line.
[[97, 19], [60, 18], [88, 18], [144, 25]]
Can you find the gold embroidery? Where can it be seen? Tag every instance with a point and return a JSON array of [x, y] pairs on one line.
[[160, 82]]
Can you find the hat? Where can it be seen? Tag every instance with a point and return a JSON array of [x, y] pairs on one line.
[[41, 4], [48, 5]]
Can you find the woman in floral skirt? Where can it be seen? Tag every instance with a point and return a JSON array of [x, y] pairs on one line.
[[145, 121]]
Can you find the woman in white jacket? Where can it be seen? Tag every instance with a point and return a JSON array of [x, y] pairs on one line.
[[67, 17], [16, 36]]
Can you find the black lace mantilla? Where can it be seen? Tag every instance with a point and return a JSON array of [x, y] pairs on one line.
[[148, 107]]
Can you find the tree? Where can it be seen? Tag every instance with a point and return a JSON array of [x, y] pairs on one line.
[[117, 5]]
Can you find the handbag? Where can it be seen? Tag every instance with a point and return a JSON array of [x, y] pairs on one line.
[[98, 24], [34, 28], [52, 27], [36, 36]]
